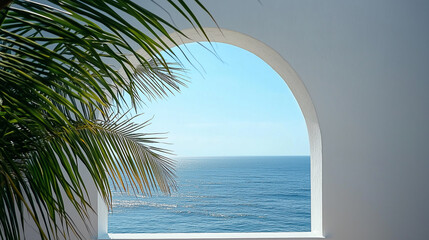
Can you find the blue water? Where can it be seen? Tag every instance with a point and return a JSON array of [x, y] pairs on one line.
[[223, 194]]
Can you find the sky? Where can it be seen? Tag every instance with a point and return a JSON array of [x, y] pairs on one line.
[[234, 105]]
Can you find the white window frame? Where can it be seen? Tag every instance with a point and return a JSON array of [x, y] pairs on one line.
[[300, 93]]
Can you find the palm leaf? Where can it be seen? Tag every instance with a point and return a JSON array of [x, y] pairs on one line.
[[59, 75]]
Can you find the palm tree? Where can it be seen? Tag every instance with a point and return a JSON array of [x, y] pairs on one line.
[[62, 104]]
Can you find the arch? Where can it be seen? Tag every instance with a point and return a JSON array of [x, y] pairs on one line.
[[298, 89]]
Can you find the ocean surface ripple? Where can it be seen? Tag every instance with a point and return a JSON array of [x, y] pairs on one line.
[[223, 194]]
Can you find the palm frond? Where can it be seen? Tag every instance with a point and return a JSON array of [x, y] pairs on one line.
[[59, 77]]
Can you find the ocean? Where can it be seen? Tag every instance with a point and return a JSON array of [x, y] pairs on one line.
[[223, 194]]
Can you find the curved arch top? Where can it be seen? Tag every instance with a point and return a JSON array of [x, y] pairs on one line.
[[260, 49], [298, 89]]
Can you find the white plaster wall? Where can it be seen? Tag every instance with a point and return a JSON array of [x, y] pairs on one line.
[[365, 65]]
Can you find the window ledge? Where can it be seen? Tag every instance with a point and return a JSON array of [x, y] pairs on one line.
[[221, 236]]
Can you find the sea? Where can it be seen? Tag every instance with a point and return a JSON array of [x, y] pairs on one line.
[[223, 194]]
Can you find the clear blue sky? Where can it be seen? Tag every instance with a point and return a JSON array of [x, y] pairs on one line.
[[235, 107]]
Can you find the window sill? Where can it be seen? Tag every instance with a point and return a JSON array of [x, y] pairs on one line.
[[221, 236]]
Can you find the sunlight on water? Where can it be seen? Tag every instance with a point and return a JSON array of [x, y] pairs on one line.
[[223, 194]]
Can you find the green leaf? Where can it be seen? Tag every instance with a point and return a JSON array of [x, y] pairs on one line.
[[61, 104]]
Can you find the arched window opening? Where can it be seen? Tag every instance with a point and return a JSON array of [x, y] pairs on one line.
[[249, 151], [242, 150]]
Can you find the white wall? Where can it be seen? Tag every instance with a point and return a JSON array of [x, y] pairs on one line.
[[365, 65]]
